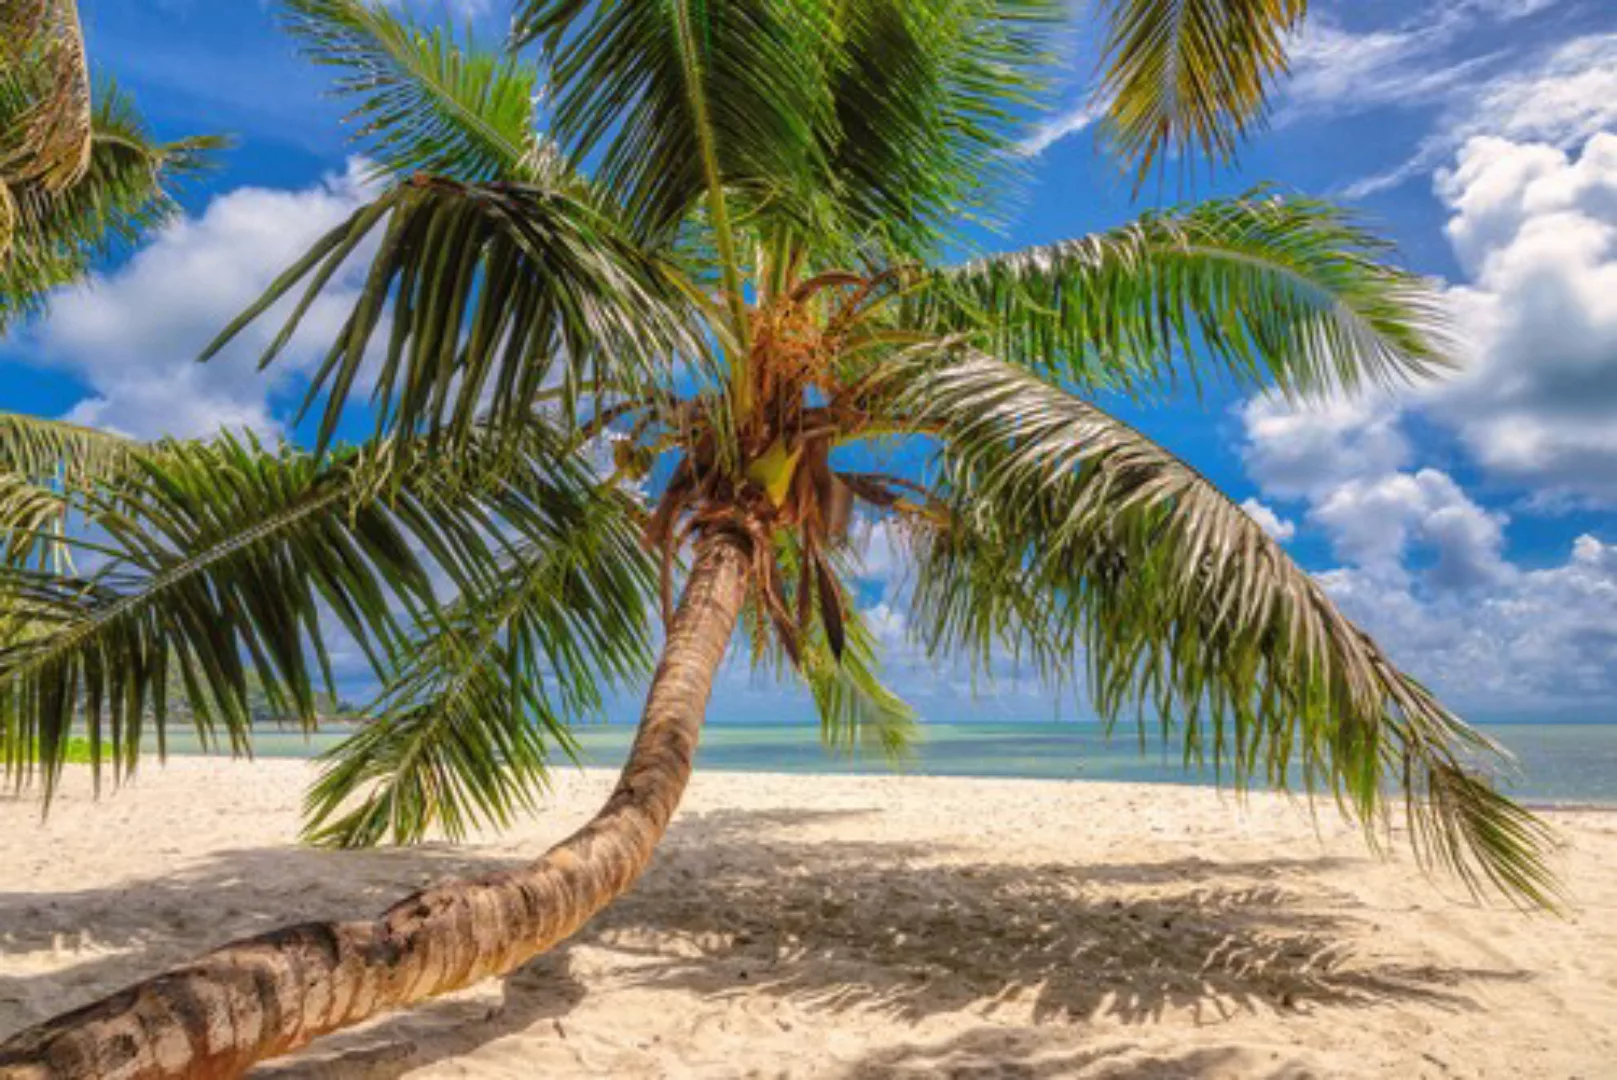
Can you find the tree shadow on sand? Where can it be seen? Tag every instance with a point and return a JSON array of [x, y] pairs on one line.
[[890, 927], [738, 904], [998, 1053]]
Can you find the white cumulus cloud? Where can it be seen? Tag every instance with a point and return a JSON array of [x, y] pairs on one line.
[[1372, 523], [133, 335], [1279, 528], [1528, 178], [1425, 568], [1536, 227], [1534, 402], [1543, 639], [1294, 452]]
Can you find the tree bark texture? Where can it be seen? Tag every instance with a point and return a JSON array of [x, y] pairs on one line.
[[267, 995]]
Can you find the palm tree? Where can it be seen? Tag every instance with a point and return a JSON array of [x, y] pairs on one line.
[[79, 172], [726, 265], [79, 176]]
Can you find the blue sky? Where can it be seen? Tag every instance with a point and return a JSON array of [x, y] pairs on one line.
[[1472, 525]]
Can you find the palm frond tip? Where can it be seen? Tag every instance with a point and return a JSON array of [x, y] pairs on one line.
[[1074, 534]]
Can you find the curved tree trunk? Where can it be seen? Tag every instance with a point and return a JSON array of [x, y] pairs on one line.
[[267, 995]]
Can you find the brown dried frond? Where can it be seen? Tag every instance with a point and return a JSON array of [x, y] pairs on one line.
[[43, 52]]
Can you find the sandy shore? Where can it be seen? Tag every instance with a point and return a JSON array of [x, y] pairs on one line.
[[863, 927]]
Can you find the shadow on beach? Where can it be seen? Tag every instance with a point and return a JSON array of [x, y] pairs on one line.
[[736, 905]]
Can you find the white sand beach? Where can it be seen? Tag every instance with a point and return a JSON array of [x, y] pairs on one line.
[[862, 927]]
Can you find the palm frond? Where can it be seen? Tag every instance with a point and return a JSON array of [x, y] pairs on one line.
[[423, 101], [930, 98], [1181, 76], [464, 731], [33, 522], [1074, 532], [499, 294], [42, 60], [856, 708], [8, 220], [40, 449], [122, 196], [687, 97], [43, 465], [1258, 290], [857, 711], [217, 562]]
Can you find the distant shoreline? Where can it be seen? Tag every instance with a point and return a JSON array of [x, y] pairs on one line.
[[1571, 765]]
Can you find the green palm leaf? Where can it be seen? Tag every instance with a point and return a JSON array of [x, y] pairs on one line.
[[1191, 75], [423, 102], [216, 562], [856, 708], [44, 465], [685, 97], [501, 295], [930, 100], [120, 198], [39, 449], [1261, 290], [1073, 532], [464, 730]]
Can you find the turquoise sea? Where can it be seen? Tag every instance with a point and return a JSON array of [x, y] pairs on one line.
[[1560, 763]]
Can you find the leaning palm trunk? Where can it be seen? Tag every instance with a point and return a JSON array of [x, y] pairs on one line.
[[270, 994]]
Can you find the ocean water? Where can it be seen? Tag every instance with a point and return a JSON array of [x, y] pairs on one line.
[[1559, 763]]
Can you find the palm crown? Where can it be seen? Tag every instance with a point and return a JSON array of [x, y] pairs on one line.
[[724, 259], [79, 172]]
